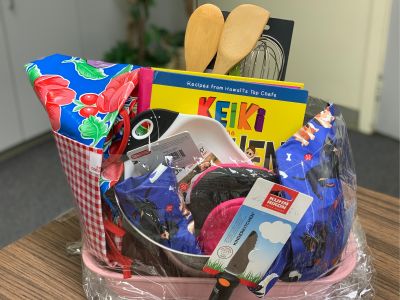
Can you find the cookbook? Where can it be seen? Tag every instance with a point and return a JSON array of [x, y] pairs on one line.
[[258, 114]]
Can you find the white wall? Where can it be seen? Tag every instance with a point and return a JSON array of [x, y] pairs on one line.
[[32, 29], [388, 113], [9, 113], [169, 14], [101, 24], [330, 43]]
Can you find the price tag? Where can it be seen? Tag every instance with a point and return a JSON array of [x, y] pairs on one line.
[[180, 149]]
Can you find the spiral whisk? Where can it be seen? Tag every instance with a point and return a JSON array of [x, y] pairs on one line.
[[265, 61]]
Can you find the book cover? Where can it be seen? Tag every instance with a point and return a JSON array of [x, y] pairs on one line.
[[259, 115]]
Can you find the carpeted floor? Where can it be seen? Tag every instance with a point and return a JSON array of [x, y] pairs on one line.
[[34, 190], [377, 162]]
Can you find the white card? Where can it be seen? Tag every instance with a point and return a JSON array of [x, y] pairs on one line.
[[180, 148]]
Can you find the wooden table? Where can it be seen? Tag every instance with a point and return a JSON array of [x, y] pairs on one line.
[[38, 267]]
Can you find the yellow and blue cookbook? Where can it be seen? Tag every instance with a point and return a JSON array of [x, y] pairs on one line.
[[258, 114]]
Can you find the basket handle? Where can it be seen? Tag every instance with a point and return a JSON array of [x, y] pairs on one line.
[[115, 156]]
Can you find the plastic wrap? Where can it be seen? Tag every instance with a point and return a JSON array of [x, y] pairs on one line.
[[100, 283], [181, 181], [157, 191], [318, 161], [216, 191]]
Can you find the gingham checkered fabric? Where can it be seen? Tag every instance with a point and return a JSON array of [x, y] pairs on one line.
[[75, 159], [118, 241]]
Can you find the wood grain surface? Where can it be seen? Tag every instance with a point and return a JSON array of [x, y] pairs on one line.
[[379, 216], [38, 266]]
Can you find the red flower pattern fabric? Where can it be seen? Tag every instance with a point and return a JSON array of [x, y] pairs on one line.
[[69, 88], [113, 172], [53, 91], [116, 92]]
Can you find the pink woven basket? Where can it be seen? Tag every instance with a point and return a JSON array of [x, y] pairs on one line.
[[200, 288]]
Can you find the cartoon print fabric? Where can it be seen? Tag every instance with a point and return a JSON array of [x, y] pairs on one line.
[[317, 161], [152, 204]]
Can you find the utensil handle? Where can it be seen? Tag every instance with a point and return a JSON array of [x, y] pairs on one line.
[[224, 287]]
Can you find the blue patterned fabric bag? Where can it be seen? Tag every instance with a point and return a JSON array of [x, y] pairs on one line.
[[152, 204], [317, 161]]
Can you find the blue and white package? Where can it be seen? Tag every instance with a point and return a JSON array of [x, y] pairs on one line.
[[317, 161], [270, 213], [152, 204]]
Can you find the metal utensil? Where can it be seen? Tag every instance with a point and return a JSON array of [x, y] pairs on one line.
[[265, 61]]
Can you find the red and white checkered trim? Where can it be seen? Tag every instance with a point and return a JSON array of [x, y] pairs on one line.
[[118, 242], [76, 161]]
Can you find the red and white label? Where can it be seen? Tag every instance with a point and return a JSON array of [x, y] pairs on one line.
[[140, 154], [95, 160], [277, 203]]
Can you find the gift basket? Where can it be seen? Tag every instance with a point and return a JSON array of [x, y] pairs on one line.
[[193, 185]]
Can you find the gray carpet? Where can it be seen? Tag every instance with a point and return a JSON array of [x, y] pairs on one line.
[[34, 190], [377, 162]]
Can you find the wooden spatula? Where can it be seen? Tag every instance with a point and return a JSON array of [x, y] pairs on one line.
[[202, 35], [242, 29]]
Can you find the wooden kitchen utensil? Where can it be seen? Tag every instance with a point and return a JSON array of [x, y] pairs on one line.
[[241, 31], [202, 35]]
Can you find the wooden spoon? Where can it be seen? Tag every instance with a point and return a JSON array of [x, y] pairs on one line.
[[242, 29], [202, 35]]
